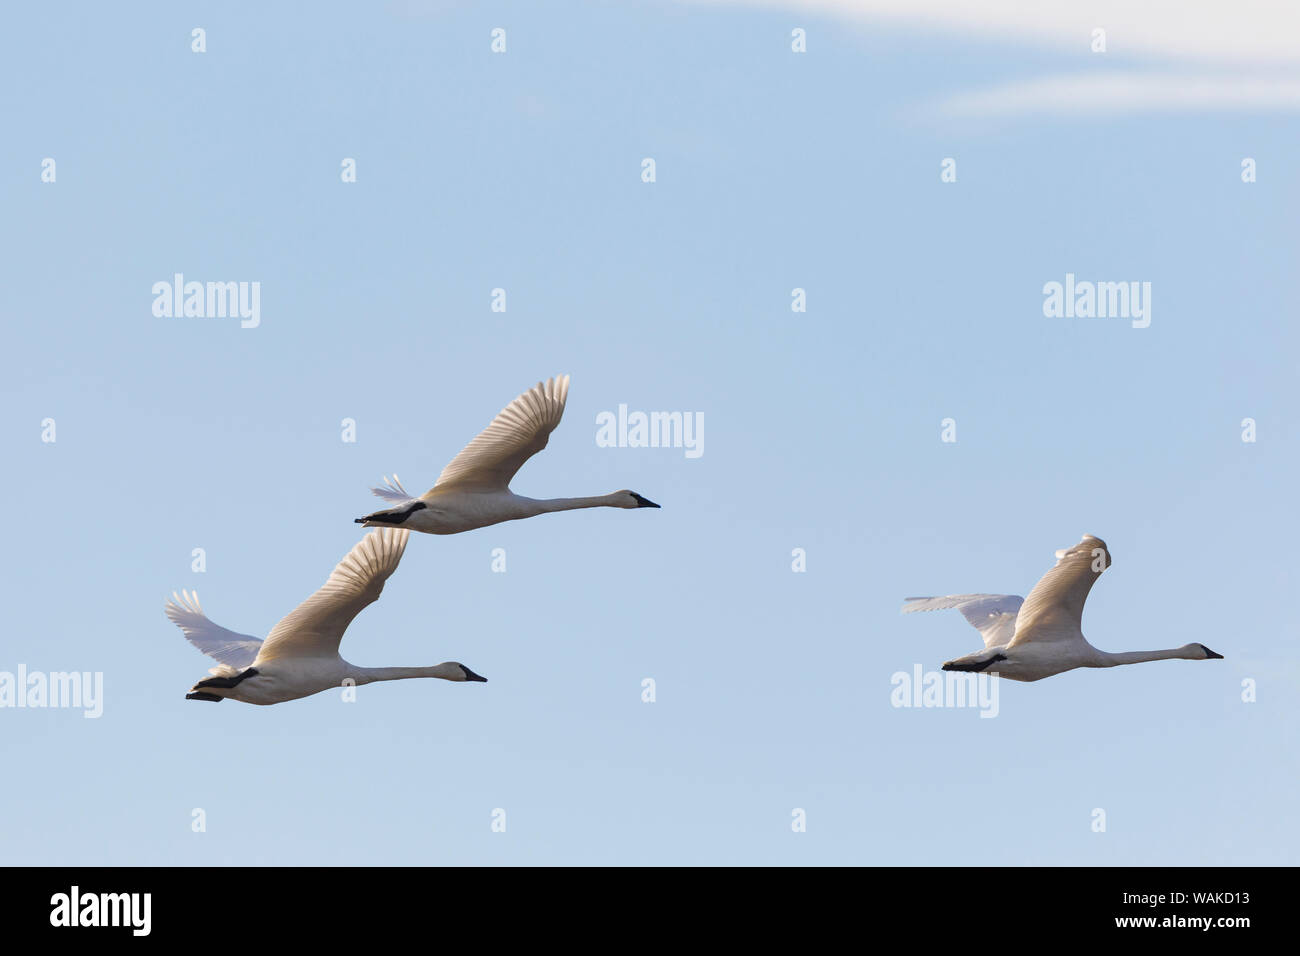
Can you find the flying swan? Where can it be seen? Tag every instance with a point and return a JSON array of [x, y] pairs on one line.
[[300, 656], [474, 490], [1043, 637]]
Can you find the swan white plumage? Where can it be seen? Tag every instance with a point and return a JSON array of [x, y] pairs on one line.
[[1027, 639], [993, 615], [300, 656], [473, 491]]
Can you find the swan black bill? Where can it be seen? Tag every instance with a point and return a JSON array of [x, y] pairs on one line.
[[394, 517], [642, 502], [1210, 654], [202, 696], [470, 675]]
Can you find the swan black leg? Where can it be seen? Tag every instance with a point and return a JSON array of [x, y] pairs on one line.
[[225, 682], [973, 666]]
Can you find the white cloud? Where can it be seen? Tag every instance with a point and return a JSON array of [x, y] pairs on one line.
[[1250, 32], [1256, 43], [1111, 93]]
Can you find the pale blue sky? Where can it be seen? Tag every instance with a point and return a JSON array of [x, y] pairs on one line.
[[522, 171]]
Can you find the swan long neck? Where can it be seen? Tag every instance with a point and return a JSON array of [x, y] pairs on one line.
[[539, 506], [368, 675], [1139, 657]]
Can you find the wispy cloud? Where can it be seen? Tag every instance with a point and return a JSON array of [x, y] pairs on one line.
[[1240, 32], [1243, 55], [1116, 93]]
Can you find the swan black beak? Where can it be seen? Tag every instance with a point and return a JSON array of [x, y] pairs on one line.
[[1210, 654], [642, 502], [470, 675]]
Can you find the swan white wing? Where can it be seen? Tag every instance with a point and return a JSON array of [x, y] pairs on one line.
[[515, 435], [231, 649], [315, 627], [392, 491], [993, 615], [1053, 611]]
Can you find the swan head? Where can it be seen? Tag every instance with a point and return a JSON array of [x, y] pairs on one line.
[[1199, 652], [457, 671], [636, 501]]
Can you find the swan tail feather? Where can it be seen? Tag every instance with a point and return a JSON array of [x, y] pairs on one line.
[[392, 491]]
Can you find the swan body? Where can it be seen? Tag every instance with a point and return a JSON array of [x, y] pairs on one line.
[[473, 491], [1027, 639], [300, 656]]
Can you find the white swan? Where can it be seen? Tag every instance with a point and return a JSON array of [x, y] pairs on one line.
[[474, 490], [1038, 636], [300, 656]]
